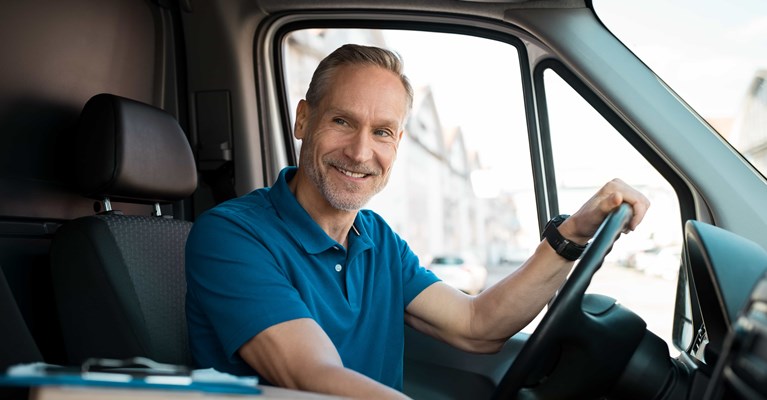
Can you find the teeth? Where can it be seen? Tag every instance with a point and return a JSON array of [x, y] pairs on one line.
[[351, 174]]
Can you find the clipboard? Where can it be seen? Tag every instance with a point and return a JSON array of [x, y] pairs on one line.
[[139, 373]]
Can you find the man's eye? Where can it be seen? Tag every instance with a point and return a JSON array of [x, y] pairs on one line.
[[382, 133], [339, 121]]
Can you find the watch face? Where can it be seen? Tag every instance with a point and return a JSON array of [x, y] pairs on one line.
[[554, 222]]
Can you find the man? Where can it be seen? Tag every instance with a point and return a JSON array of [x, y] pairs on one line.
[[298, 284]]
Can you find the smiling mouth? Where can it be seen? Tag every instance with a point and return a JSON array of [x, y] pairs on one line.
[[350, 173]]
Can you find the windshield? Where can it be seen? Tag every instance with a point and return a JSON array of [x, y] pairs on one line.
[[712, 53]]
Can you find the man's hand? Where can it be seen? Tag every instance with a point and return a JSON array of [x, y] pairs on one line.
[[582, 225]]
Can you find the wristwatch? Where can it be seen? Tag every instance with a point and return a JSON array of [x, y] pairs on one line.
[[564, 247]]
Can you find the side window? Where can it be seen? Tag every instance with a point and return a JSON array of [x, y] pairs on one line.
[[641, 270], [461, 191]]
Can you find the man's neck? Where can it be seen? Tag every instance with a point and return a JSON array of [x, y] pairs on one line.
[[336, 223]]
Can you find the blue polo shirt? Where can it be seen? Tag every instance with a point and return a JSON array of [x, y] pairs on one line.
[[259, 260]]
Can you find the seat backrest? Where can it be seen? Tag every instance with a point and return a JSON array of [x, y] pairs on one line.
[[119, 279]]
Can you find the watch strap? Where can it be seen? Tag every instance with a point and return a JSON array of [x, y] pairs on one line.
[[564, 247]]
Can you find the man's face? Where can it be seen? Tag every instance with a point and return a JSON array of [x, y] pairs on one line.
[[350, 139]]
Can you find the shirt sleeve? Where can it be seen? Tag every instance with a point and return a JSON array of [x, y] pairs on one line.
[[415, 278], [236, 282]]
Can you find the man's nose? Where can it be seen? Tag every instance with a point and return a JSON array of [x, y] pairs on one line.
[[359, 147]]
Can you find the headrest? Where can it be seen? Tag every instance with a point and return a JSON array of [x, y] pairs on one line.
[[131, 151]]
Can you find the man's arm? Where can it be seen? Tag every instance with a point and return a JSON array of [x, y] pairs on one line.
[[484, 322], [299, 355]]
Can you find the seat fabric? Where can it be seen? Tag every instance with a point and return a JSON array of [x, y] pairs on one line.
[[121, 287]]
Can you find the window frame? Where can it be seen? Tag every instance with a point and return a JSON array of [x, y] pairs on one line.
[[534, 58], [277, 123], [682, 191], [279, 138]]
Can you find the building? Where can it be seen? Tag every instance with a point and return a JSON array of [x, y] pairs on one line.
[[749, 131]]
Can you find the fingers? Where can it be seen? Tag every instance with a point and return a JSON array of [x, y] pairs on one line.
[[640, 209], [620, 192], [612, 201], [582, 225]]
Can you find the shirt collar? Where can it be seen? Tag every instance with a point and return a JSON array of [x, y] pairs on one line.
[[305, 230], [359, 240]]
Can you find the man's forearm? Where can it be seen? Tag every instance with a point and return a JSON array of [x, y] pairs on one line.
[[508, 306], [298, 354], [483, 323], [343, 382]]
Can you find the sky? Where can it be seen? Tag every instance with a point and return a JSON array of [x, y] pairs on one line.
[[706, 50], [463, 73]]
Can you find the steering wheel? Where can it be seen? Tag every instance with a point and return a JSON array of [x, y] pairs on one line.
[[569, 355]]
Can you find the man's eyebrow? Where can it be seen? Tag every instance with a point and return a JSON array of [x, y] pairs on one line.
[[384, 123], [336, 110]]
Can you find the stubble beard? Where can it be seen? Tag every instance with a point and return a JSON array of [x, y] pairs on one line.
[[345, 197]]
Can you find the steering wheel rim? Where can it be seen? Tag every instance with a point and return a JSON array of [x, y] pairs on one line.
[[535, 357]]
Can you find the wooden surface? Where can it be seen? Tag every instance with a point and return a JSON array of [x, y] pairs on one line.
[[92, 393]]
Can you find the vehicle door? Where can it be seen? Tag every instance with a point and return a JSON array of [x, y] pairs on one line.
[[522, 111]]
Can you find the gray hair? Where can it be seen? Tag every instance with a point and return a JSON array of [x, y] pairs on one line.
[[353, 54]]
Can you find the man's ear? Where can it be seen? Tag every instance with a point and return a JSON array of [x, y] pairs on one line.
[[400, 135], [302, 119]]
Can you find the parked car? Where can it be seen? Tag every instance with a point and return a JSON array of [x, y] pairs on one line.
[[121, 121], [459, 271]]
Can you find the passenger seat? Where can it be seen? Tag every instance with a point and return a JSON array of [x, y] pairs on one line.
[[119, 279]]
